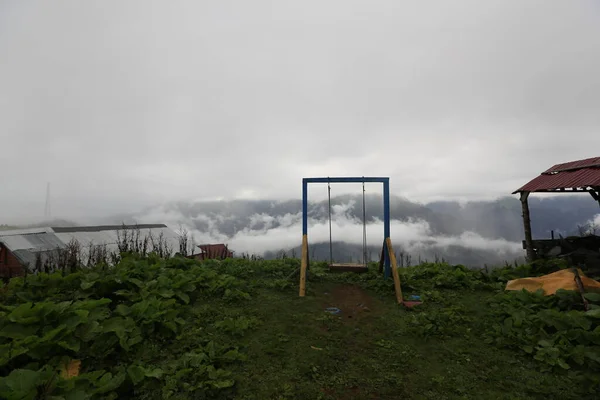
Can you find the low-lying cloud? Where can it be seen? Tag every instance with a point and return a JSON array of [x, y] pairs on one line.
[[268, 233]]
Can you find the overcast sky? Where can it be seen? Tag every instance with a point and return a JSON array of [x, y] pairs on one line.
[[125, 104]]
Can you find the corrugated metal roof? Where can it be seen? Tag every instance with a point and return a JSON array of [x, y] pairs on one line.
[[100, 228], [31, 241], [25, 243], [12, 232], [217, 246], [572, 175], [587, 163]]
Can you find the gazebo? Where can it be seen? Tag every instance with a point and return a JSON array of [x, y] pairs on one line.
[[571, 177]]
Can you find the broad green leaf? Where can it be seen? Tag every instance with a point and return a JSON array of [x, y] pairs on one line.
[[88, 331], [50, 335], [594, 297], [108, 382], [122, 309], [124, 293], [134, 340], [139, 309], [80, 317], [595, 313], [16, 331], [136, 282], [166, 293], [184, 297], [70, 343], [136, 373], [91, 304], [222, 384], [93, 276], [561, 363], [20, 384], [85, 285], [60, 307], [154, 373], [77, 395], [593, 355], [7, 353], [188, 287], [118, 324], [528, 349], [544, 343], [172, 326], [210, 348], [25, 314]]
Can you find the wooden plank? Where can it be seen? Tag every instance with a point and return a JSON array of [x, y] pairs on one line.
[[397, 286], [348, 267], [303, 266]]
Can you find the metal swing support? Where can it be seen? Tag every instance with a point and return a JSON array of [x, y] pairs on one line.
[[388, 259]]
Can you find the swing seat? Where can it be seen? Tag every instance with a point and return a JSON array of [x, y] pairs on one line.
[[348, 267]]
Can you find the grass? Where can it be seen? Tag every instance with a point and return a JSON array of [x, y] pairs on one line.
[[301, 352], [272, 344]]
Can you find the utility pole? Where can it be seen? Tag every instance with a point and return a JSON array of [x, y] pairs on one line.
[[47, 209]]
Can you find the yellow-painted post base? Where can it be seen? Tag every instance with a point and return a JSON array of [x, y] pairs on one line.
[[303, 266], [394, 266]]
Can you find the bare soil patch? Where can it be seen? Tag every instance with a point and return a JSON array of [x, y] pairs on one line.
[[353, 301]]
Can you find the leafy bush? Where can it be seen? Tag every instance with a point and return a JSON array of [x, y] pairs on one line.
[[509, 272], [442, 322], [441, 275], [200, 370], [102, 319], [554, 329]]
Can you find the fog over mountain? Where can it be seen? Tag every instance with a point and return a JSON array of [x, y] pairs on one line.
[[472, 233]]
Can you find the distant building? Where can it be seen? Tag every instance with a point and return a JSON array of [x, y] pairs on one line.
[[22, 249], [218, 251]]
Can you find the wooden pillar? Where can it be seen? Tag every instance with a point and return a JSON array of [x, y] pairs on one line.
[[527, 227], [394, 265], [303, 266]]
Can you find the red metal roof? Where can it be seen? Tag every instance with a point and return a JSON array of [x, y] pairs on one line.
[[571, 175], [210, 251], [587, 163], [213, 247]]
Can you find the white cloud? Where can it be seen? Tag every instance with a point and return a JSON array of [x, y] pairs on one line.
[[285, 232]]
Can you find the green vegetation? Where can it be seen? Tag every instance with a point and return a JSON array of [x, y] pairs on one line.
[[154, 328]]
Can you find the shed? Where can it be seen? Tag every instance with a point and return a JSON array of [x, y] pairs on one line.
[[21, 249], [218, 251], [581, 176]]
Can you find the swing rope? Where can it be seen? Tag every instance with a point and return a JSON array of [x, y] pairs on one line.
[[364, 223], [330, 238]]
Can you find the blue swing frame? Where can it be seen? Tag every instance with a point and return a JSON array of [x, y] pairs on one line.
[[386, 211]]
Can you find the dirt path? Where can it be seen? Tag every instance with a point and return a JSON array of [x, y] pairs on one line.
[[354, 304], [353, 301]]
